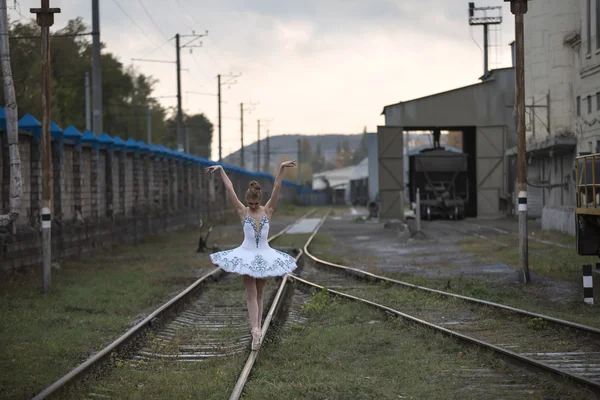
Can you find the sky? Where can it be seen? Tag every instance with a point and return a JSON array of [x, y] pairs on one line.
[[310, 67]]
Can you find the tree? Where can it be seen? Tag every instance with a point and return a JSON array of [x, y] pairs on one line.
[[306, 154], [12, 128], [362, 150], [346, 146], [318, 161], [127, 94]]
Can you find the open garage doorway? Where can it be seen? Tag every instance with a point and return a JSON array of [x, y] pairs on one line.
[[453, 140]]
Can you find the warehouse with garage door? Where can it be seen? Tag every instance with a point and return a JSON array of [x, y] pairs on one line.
[[483, 112]]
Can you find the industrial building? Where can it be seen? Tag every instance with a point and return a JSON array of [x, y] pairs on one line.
[[483, 113]]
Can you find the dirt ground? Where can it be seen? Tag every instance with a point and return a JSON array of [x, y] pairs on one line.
[[440, 252]]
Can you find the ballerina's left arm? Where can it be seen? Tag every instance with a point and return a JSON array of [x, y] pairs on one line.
[[272, 203]]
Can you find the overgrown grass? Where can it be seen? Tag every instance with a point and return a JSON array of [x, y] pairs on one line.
[[557, 261], [350, 351], [93, 301], [544, 259], [167, 379]]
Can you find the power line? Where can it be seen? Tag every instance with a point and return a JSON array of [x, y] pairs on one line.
[[152, 20], [59, 35], [183, 16], [135, 23], [159, 47]]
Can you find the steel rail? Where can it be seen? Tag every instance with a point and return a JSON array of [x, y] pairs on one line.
[[141, 326], [508, 355], [245, 374], [369, 275]]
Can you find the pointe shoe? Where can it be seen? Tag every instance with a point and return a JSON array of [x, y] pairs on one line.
[[256, 333]]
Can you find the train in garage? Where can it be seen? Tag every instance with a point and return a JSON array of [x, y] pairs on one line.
[[442, 177]]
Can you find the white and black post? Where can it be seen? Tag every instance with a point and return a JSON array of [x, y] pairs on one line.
[[588, 284]]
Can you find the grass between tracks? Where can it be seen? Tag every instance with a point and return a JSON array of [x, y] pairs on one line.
[[546, 298], [94, 301], [350, 351], [544, 259]]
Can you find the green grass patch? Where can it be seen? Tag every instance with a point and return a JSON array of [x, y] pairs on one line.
[[350, 351], [544, 259], [93, 301], [167, 379], [529, 297]]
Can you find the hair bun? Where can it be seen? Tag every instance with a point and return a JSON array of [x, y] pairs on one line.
[[254, 185]]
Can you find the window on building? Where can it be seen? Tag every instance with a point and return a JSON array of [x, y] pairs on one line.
[[590, 147], [589, 26], [578, 106], [589, 104], [598, 99], [597, 146]]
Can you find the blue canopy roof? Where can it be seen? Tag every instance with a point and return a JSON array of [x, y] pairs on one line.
[[142, 146], [118, 142], [55, 131], [131, 144], [88, 137], [29, 123], [105, 140], [72, 133]]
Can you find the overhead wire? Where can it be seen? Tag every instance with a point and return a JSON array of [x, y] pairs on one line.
[[152, 20], [136, 24]]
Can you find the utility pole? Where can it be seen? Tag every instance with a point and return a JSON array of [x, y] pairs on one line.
[[252, 106], [88, 116], [179, 112], [187, 139], [45, 19], [258, 148], [229, 82], [519, 8], [242, 164], [149, 125], [485, 20], [299, 162], [178, 47], [96, 69], [268, 163], [219, 100]]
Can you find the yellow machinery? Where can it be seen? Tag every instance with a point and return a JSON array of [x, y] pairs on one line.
[[587, 212]]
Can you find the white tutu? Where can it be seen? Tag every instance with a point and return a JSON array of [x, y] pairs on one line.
[[255, 257]]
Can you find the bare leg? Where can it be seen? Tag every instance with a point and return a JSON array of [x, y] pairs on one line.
[[251, 297], [260, 290]]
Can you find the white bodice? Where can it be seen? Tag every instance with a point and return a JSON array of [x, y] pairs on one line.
[[255, 237]]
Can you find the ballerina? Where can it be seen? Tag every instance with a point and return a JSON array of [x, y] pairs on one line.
[[254, 259]]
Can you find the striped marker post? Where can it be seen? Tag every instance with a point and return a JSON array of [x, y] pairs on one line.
[[588, 284], [523, 250]]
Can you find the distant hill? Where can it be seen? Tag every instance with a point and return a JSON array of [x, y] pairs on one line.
[[287, 146]]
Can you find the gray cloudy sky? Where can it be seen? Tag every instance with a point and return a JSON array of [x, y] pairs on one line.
[[315, 66]]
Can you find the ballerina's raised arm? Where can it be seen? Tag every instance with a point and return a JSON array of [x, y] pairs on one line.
[[272, 203], [233, 199]]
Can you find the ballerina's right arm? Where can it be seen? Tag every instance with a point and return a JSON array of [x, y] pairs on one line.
[[235, 202]]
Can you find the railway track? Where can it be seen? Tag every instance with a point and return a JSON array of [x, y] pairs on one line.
[[544, 344], [568, 350], [206, 320]]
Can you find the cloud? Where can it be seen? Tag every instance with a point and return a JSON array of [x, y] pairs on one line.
[[315, 65]]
